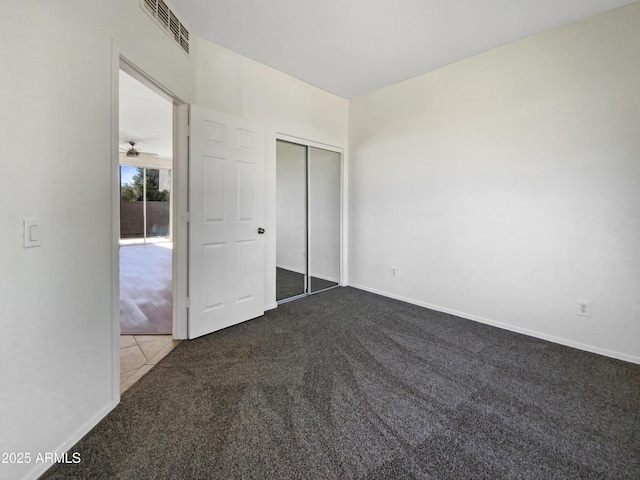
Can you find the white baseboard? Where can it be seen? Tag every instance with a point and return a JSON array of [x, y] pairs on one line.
[[40, 468], [505, 326]]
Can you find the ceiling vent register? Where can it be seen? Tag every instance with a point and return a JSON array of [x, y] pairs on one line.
[[162, 14]]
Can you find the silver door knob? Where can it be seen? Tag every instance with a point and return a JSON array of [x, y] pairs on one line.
[[260, 231]]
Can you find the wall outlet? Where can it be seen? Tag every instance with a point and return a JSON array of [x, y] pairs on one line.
[[394, 271], [584, 308]]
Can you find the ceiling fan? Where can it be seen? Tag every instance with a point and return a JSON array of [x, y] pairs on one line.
[[133, 152]]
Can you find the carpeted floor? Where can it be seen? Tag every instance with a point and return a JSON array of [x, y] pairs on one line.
[[347, 384]]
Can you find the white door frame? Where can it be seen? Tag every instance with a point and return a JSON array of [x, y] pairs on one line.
[[180, 224]]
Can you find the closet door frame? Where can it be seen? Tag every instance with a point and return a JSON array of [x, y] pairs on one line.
[[343, 203]]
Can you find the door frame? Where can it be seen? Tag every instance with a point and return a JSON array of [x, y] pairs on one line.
[[179, 206], [179, 197]]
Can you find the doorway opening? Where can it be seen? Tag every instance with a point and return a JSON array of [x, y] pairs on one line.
[[145, 166], [150, 127], [146, 272]]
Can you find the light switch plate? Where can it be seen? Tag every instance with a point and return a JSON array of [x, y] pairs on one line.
[[31, 232]]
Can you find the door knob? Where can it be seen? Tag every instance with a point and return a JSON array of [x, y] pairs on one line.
[[260, 231]]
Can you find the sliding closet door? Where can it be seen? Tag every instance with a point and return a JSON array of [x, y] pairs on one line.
[[324, 219], [291, 220]]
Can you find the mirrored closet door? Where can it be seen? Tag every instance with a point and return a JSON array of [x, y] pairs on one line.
[[308, 234], [291, 220], [323, 215]]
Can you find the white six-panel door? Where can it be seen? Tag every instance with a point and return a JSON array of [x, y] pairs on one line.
[[226, 204]]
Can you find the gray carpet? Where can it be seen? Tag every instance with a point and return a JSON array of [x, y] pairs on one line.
[[347, 384]]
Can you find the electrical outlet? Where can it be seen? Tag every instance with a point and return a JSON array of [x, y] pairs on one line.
[[394, 271], [584, 308]]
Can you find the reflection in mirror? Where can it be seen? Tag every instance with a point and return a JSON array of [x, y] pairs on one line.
[[291, 220], [324, 219]]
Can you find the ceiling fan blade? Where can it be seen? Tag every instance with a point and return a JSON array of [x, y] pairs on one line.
[[140, 154], [133, 152]]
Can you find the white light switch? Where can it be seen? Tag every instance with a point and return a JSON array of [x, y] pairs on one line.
[[31, 233]]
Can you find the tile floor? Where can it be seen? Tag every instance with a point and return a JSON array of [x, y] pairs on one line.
[[138, 355]]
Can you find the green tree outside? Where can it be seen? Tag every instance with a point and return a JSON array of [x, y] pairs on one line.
[[135, 192]]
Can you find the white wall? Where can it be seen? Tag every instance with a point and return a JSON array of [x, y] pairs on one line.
[[506, 186], [58, 369], [234, 84]]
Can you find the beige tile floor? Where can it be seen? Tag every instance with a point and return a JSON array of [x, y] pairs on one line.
[[138, 355]]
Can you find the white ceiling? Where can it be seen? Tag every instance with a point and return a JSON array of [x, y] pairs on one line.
[[352, 47], [145, 118]]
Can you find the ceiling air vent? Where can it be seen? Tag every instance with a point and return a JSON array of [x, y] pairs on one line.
[[164, 17]]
